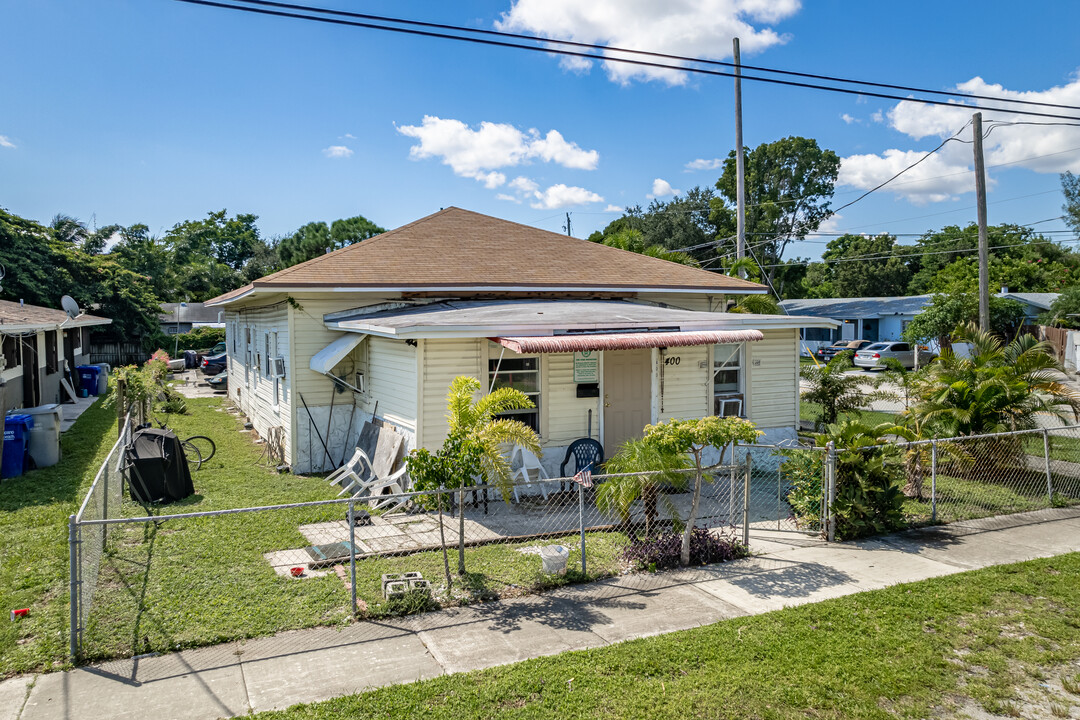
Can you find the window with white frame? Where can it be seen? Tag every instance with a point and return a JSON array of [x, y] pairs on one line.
[[520, 373], [728, 379], [270, 366], [266, 354]]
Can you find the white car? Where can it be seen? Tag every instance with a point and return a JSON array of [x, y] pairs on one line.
[[870, 358]]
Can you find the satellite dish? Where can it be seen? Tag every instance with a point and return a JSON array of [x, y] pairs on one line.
[[70, 306]]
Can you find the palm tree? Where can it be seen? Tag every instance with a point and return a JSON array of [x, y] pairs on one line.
[[617, 495], [634, 241], [757, 304], [997, 388], [477, 424], [837, 392]]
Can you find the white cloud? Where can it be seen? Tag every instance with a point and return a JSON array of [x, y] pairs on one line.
[[613, 208], [508, 198], [350, 136], [703, 164], [831, 224], [5, 141], [847, 118], [1042, 148], [662, 188], [561, 196], [877, 117], [337, 151], [524, 185], [478, 153], [695, 28]]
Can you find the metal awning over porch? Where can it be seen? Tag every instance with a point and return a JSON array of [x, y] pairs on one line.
[[624, 341]]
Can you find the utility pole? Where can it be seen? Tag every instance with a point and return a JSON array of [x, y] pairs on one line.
[[740, 161], [568, 224], [980, 201]]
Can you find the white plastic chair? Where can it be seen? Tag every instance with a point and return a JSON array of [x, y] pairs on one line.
[[525, 465]]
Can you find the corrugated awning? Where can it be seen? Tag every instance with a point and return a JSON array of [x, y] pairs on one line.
[[325, 360], [624, 341]]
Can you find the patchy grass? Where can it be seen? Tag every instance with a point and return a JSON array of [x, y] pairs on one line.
[[811, 412], [926, 649], [34, 510]]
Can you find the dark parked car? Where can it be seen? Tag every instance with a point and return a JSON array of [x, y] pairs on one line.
[[220, 382], [827, 353], [214, 364]]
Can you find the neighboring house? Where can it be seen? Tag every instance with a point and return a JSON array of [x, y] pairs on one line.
[[41, 346], [884, 318], [604, 341], [185, 316]]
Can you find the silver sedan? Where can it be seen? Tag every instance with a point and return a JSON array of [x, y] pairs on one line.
[[872, 357]]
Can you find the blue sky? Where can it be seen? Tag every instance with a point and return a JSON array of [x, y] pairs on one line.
[[155, 111]]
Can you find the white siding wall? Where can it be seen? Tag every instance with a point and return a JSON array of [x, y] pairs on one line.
[[266, 401], [685, 385], [697, 302], [772, 391], [392, 380], [443, 360], [567, 414]]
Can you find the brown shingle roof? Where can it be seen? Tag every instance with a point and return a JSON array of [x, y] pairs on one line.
[[22, 315], [456, 248]]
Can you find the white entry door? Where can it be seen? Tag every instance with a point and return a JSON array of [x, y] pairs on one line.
[[627, 396]]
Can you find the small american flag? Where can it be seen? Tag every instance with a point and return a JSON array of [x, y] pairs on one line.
[[584, 477]]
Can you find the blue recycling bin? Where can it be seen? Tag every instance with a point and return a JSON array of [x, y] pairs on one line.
[[88, 378], [16, 445]]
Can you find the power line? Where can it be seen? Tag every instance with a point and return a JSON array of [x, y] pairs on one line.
[[266, 10], [646, 53]]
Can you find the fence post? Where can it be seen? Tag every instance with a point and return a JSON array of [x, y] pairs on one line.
[[352, 555], [746, 502], [581, 522], [830, 491], [73, 588], [1046, 456], [105, 500], [933, 481]]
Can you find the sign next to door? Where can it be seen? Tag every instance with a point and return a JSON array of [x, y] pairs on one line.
[[586, 366]]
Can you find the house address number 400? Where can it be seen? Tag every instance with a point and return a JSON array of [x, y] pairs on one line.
[[672, 360]]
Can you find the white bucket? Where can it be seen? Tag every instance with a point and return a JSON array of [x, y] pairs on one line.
[[554, 558]]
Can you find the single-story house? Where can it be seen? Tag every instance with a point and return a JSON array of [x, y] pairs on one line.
[[604, 341], [884, 318], [41, 346], [184, 317]]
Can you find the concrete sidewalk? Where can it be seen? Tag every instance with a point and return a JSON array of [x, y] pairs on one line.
[[309, 665]]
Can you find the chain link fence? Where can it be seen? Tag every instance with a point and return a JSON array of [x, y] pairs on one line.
[[87, 537], [149, 581], [786, 486]]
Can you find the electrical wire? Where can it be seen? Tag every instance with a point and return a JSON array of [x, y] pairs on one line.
[[335, 20], [646, 53]]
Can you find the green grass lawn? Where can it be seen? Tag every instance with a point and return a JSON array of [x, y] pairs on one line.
[[34, 510], [199, 581], [911, 651], [812, 412]]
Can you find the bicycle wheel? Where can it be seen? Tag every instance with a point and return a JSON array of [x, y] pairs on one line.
[[192, 455], [206, 446]]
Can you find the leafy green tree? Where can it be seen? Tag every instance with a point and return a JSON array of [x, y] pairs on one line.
[[859, 266], [633, 241], [693, 438], [837, 392], [617, 495], [29, 261], [682, 222], [1065, 310], [789, 184], [148, 257], [999, 387], [1070, 186], [318, 238], [945, 313]]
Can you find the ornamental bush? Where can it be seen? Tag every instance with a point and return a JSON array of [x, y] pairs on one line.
[[662, 551]]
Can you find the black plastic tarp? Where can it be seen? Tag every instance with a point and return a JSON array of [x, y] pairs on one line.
[[157, 469]]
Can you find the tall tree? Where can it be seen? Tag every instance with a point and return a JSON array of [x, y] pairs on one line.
[[1070, 185], [317, 238], [789, 184], [859, 266], [634, 241], [682, 222]]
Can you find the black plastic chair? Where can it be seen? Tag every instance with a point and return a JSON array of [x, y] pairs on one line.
[[585, 452]]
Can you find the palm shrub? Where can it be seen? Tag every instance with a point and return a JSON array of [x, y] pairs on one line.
[[837, 392], [998, 388], [804, 471], [617, 495], [869, 478]]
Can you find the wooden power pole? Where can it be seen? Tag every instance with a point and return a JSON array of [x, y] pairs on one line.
[[980, 201], [740, 161]]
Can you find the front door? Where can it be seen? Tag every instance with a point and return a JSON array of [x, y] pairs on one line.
[[627, 396], [31, 392]]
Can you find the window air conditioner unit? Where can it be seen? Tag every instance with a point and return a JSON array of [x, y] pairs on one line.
[[278, 370]]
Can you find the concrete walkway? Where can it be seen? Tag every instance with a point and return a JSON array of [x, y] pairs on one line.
[[309, 665]]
